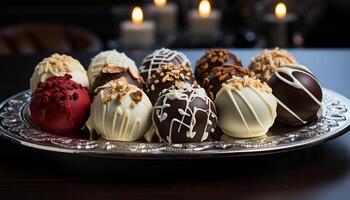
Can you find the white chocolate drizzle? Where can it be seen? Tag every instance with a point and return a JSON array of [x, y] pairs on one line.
[[117, 120], [246, 111], [162, 57], [288, 70], [187, 94]]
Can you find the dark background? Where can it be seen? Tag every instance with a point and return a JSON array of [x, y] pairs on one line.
[[240, 22]]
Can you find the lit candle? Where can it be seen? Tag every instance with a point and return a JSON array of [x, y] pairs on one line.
[[278, 25], [204, 23], [137, 33], [165, 15]]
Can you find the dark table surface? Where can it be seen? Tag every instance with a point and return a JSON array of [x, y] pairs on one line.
[[321, 172]]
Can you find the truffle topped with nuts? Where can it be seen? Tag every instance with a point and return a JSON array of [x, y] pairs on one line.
[[118, 89], [111, 72], [110, 65], [214, 58], [219, 75], [120, 111], [167, 76], [109, 58], [58, 65], [246, 81], [161, 57], [265, 64]]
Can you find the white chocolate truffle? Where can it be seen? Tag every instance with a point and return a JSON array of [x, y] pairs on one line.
[[58, 65], [110, 58], [246, 107], [120, 111]]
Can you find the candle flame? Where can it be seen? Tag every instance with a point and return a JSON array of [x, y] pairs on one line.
[[280, 11], [160, 3], [137, 15], [204, 8]]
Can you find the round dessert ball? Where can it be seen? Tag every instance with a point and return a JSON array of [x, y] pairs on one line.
[[214, 58], [58, 65], [246, 107], [184, 115], [167, 76], [109, 73], [60, 105], [110, 59], [121, 111], [265, 64], [298, 93], [161, 57], [219, 75]]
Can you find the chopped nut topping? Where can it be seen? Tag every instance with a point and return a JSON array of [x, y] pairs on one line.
[[119, 89], [57, 63], [246, 81], [110, 69], [136, 96], [221, 74], [170, 73], [217, 56], [265, 64]]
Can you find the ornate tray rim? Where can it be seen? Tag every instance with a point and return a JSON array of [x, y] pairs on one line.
[[137, 150]]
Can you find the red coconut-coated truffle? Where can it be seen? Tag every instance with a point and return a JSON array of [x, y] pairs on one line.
[[60, 105]]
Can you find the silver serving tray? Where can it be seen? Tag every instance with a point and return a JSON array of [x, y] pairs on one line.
[[334, 121]]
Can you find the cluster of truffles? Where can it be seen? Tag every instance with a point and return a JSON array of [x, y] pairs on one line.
[[168, 102]]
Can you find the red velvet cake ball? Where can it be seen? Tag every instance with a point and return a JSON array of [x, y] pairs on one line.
[[60, 105]]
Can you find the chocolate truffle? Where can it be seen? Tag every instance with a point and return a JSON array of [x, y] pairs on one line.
[[109, 73], [60, 105], [214, 58], [59, 65], [109, 59], [298, 94], [121, 111], [184, 115], [219, 75], [265, 64], [246, 107], [161, 57], [167, 76]]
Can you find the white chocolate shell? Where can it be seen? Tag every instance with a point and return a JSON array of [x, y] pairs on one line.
[[112, 58], [58, 65], [121, 120], [245, 113]]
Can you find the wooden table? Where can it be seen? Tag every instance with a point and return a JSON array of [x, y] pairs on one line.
[[322, 172]]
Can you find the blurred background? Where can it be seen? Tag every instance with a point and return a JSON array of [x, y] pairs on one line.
[[67, 26]]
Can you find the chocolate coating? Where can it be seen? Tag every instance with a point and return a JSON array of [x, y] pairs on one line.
[[106, 75], [167, 76], [214, 58], [60, 105], [299, 96], [161, 57], [184, 115], [219, 75]]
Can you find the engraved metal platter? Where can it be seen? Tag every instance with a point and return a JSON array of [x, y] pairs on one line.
[[334, 121]]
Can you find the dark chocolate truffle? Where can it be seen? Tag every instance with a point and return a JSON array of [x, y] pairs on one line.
[[159, 58], [60, 105], [298, 94], [109, 73], [184, 115], [219, 75], [167, 76], [214, 58]]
